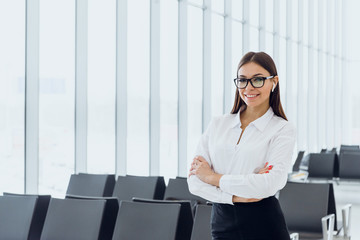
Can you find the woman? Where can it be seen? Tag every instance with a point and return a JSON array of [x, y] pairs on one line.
[[243, 158]]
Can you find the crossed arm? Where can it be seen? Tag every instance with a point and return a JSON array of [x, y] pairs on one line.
[[201, 168]]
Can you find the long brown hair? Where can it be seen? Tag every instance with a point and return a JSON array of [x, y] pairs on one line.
[[265, 61]]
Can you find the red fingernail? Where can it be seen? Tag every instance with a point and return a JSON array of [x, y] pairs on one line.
[[267, 172], [266, 163], [271, 166]]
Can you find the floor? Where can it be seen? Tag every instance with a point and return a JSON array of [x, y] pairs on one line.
[[347, 192]]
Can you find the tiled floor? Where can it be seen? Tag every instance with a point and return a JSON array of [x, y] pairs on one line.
[[349, 193]]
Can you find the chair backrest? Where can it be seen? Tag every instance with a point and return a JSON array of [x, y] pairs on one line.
[[16, 217], [349, 165], [91, 185], [297, 163], [304, 204], [202, 227], [40, 210], [349, 148], [127, 187], [69, 219], [185, 223], [139, 220], [322, 165], [109, 217], [178, 189]]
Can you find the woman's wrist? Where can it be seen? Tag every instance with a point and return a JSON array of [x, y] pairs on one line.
[[214, 179]]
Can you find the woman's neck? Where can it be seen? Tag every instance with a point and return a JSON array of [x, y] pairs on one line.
[[253, 113]]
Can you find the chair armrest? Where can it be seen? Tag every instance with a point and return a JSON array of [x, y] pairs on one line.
[[328, 229], [346, 218], [294, 236]]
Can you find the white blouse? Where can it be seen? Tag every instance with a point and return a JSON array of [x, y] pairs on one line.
[[267, 139]]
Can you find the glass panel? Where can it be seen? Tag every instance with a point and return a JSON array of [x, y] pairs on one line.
[[269, 15], [138, 87], [198, 2], [306, 21], [236, 52], [57, 96], [101, 86], [195, 54], [217, 5], [217, 62], [12, 94], [294, 19], [254, 13], [237, 9], [168, 89], [282, 27], [254, 39], [269, 44]]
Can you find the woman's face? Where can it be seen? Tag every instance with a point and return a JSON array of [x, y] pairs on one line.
[[254, 97]]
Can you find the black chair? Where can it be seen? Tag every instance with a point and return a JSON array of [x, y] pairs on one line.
[[139, 220], [39, 214], [202, 227], [178, 189], [91, 185], [349, 148], [297, 163], [127, 187], [349, 165], [109, 217], [307, 207], [22, 216], [185, 223], [69, 219], [322, 165]]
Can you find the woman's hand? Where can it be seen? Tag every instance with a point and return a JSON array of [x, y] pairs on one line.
[[265, 169], [201, 168]]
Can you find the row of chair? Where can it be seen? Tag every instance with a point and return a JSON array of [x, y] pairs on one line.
[[127, 187], [329, 164], [78, 217], [307, 208]]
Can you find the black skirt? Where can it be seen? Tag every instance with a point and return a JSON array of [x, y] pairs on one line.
[[261, 220]]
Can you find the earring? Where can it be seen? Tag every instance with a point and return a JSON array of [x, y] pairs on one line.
[[273, 87]]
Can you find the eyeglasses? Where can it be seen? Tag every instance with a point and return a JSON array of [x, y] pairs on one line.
[[256, 82]]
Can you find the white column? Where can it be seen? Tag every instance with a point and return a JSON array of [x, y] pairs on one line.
[[121, 88], [154, 88], [276, 49], [32, 97], [228, 75], [81, 51], [206, 104], [182, 88], [289, 106], [246, 26], [262, 15]]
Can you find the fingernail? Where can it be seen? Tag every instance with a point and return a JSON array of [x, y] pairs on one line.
[[267, 172], [270, 166], [266, 163]]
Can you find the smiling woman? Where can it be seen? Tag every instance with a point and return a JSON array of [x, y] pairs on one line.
[[240, 171]]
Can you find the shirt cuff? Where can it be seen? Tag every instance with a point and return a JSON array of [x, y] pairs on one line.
[[226, 196]]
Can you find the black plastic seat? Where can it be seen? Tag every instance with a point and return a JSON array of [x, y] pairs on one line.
[[178, 189], [127, 187], [186, 218], [91, 185], [22, 216], [202, 227], [39, 214], [69, 219], [298, 160], [344, 148], [109, 217], [304, 205], [140, 220], [322, 165], [349, 165]]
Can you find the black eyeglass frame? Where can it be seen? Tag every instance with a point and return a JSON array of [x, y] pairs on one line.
[[250, 80]]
